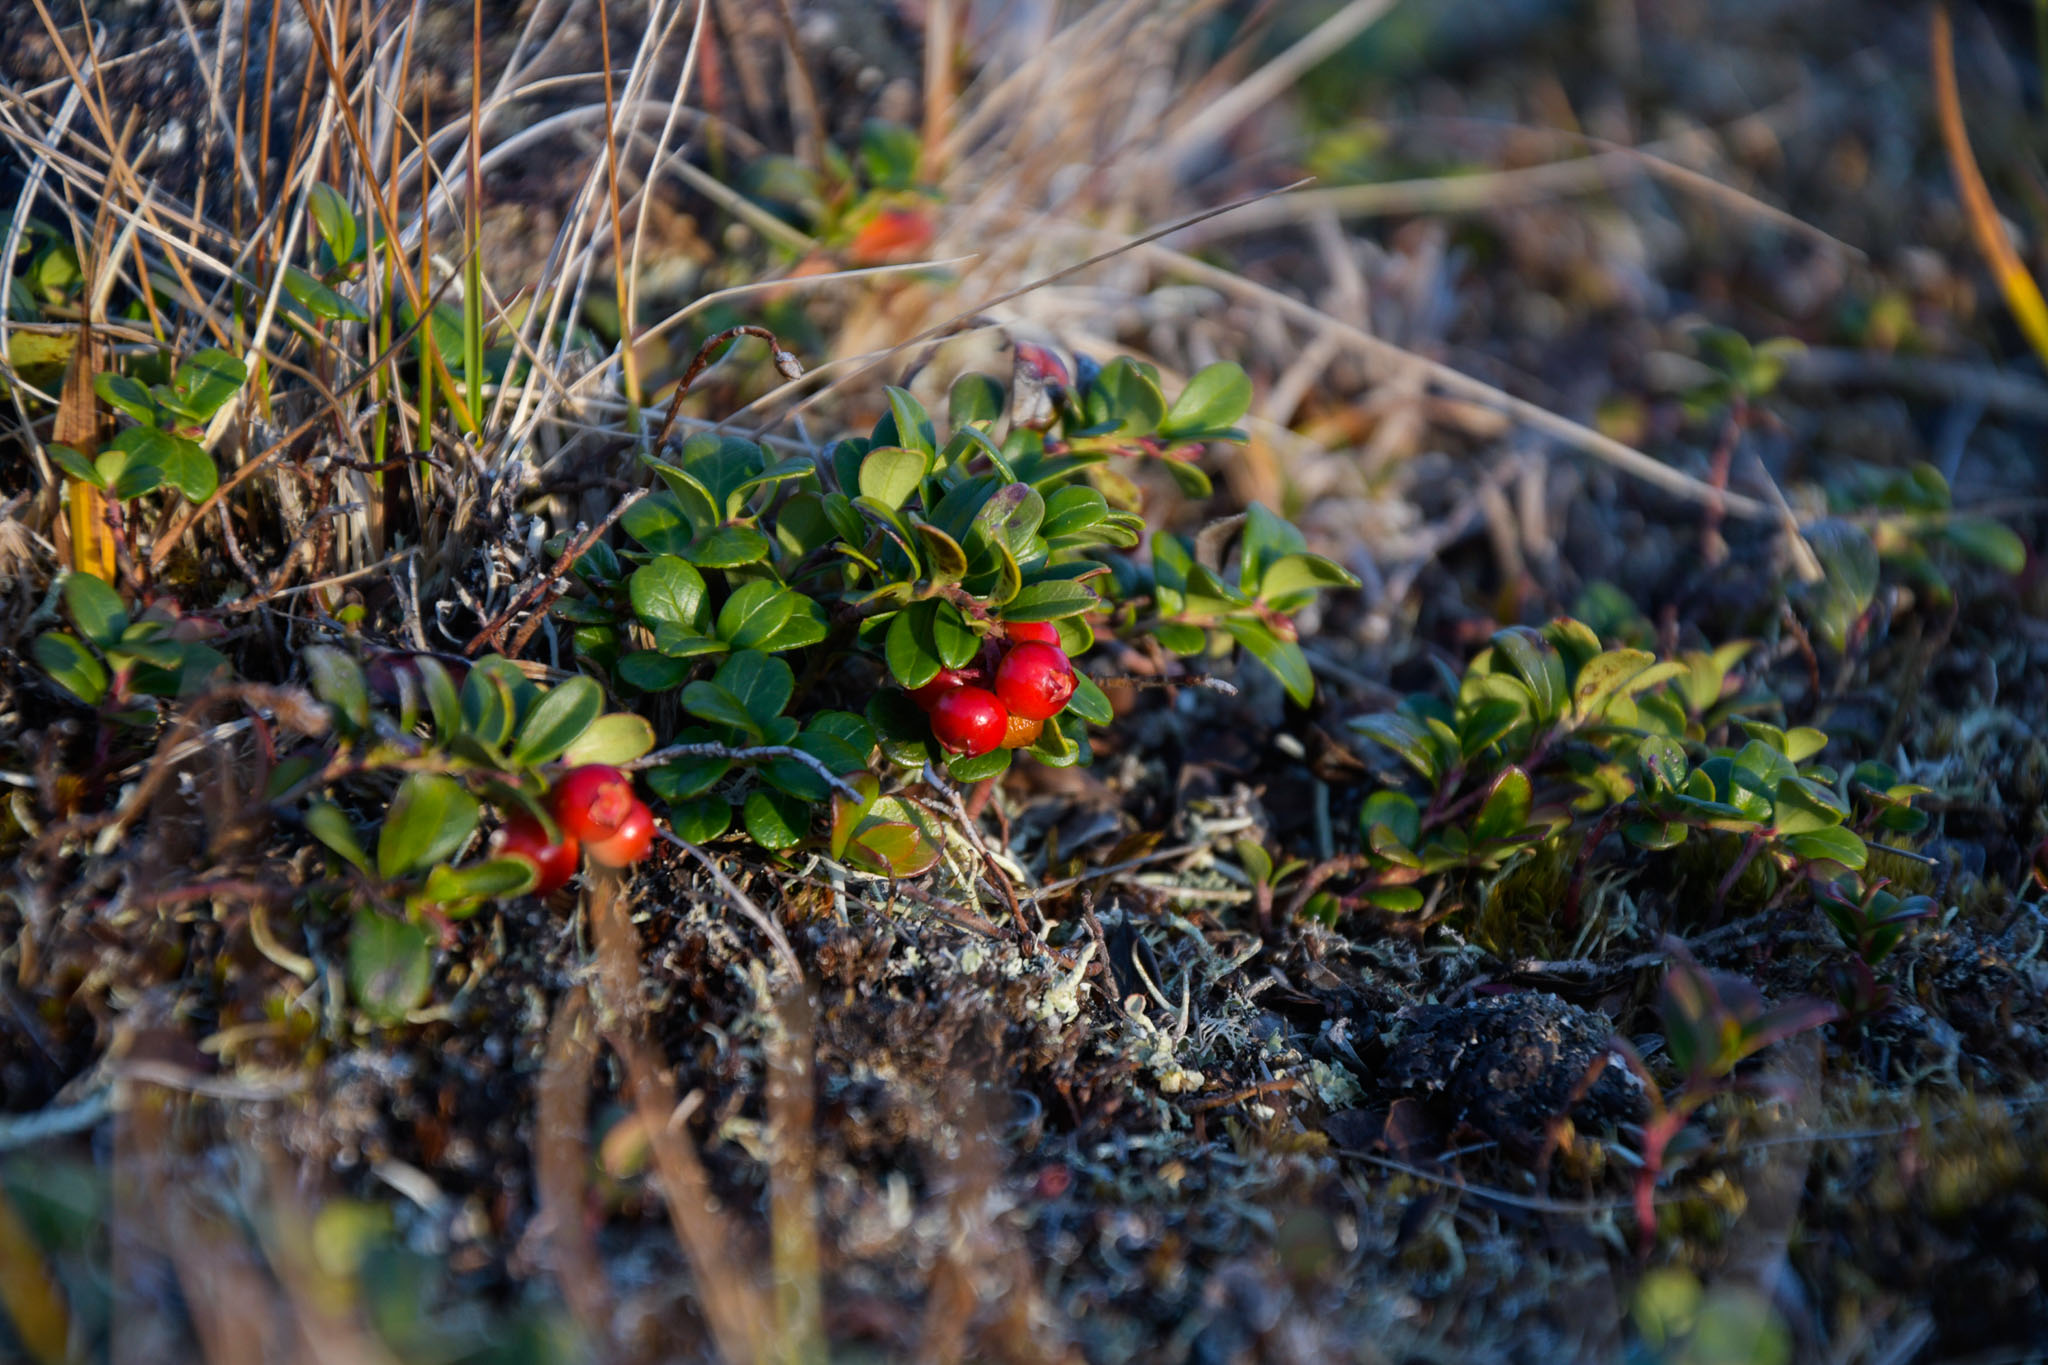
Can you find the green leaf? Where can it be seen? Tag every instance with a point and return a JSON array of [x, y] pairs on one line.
[[1218, 396], [1664, 763], [1802, 806], [1088, 702], [894, 848], [955, 640], [557, 721], [337, 223], [982, 766], [1049, 600], [316, 298], [1506, 809], [95, 608], [890, 474], [75, 464], [1132, 398], [728, 547], [1302, 573], [430, 817], [1400, 900], [1267, 539], [806, 626], [205, 382], [913, 423], [326, 822], [189, 469], [1395, 814], [619, 737], [652, 670], [900, 728], [1988, 541], [1834, 844], [1803, 742], [1072, 511], [657, 522], [390, 967], [667, 588], [974, 398], [908, 649], [1011, 518], [1604, 675], [889, 154], [492, 879], [754, 612], [1405, 736], [715, 703], [775, 819], [338, 680], [71, 666], [1283, 657], [123, 393], [700, 820], [762, 684], [1536, 660]]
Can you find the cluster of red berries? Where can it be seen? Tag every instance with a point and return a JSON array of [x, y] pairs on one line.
[[598, 815], [1002, 700]]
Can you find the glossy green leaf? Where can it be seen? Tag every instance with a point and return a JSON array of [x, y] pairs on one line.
[[390, 967], [71, 666], [619, 737], [890, 474], [668, 588], [762, 683], [336, 221], [326, 822], [95, 608], [1216, 397], [1834, 844], [1506, 809], [319, 300], [775, 819], [754, 612], [1393, 813], [338, 680], [1283, 657], [120, 392], [1088, 701], [557, 721], [1302, 573], [1049, 600], [431, 816], [1405, 736], [700, 820]]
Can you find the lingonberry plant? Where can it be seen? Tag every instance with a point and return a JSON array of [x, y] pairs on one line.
[[1713, 1022], [942, 586], [1550, 734], [419, 757]]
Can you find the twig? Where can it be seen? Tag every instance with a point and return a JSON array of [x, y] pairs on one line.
[[709, 750], [25, 1130], [1385, 353], [495, 627], [786, 364]]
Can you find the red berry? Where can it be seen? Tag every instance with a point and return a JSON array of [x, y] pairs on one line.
[[1042, 631], [591, 802], [629, 843], [969, 720], [1034, 680], [948, 680], [525, 838], [1021, 731]]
